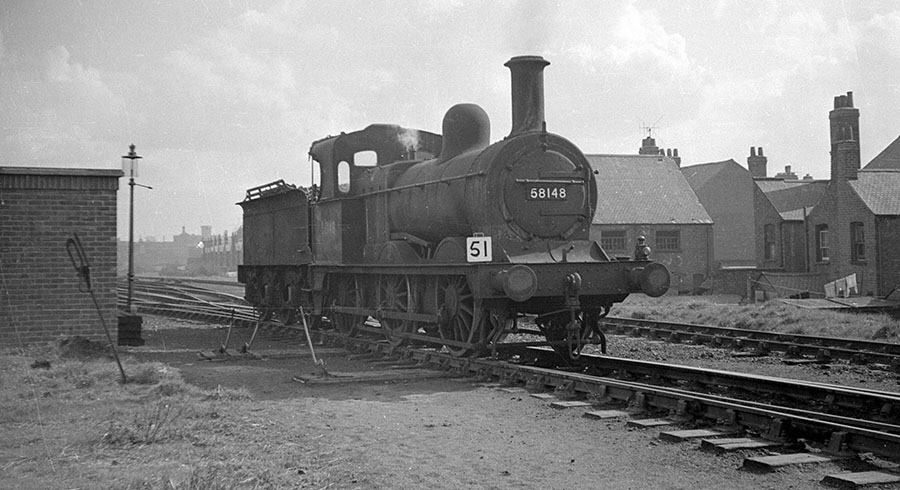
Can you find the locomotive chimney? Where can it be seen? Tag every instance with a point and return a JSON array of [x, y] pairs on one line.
[[527, 93]]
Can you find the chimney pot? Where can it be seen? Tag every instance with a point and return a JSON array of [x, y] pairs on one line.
[[752, 151]]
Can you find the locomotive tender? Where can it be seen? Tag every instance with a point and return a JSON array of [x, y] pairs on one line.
[[444, 239]]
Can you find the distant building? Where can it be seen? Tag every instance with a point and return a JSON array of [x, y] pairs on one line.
[[855, 227], [727, 193], [807, 232], [793, 200], [758, 219], [162, 257], [222, 254], [646, 195]]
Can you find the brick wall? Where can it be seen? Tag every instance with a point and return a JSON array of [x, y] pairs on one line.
[[765, 214], [40, 208], [888, 253], [729, 198], [839, 207]]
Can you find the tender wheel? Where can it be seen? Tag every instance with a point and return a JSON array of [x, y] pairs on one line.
[[346, 292], [395, 294]]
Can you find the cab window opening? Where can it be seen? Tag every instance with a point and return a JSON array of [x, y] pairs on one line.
[[343, 176]]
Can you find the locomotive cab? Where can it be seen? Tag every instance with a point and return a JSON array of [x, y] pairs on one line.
[[348, 167]]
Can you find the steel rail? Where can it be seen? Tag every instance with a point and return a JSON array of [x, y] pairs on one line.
[[855, 350], [882, 408]]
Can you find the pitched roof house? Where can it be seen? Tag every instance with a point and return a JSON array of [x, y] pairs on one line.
[[646, 195]]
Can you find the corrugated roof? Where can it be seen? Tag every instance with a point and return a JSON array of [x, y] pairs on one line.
[[879, 190], [888, 158], [644, 189]]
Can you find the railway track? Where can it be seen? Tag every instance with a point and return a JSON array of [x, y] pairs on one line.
[[746, 409], [761, 342]]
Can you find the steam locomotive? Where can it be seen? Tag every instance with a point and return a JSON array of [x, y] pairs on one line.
[[443, 239]]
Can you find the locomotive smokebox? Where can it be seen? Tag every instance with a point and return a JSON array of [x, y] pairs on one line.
[[527, 93]]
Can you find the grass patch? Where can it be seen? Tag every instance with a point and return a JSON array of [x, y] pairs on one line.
[[69, 423], [773, 316]]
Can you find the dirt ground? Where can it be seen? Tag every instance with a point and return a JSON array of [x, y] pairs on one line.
[[447, 433]]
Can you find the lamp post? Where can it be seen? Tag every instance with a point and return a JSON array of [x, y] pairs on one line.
[[130, 324], [129, 160]]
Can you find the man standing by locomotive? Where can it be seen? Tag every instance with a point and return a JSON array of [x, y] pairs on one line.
[[641, 249]]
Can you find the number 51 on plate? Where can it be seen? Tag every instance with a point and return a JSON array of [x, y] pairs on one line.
[[478, 249]]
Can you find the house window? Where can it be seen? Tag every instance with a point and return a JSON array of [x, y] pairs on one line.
[[668, 240], [769, 241], [857, 242], [613, 240], [822, 243]]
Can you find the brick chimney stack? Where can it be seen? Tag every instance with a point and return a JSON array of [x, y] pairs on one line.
[[756, 163], [844, 121], [648, 147]]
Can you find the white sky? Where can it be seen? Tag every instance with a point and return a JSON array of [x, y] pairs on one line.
[[223, 95]]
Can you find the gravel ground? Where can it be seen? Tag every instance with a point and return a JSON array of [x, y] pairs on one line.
[[447, 433]]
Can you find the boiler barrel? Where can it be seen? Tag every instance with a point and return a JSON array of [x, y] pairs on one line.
[[428, 200]]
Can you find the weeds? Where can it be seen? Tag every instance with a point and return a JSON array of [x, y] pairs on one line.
[[156, 422], [769, 316], [211, 477]]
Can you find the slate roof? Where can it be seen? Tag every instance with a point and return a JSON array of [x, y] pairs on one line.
[[889, 158], [644, 189], [795, 214], [790, 195], [771, 184], [879, 190], [698, 175]]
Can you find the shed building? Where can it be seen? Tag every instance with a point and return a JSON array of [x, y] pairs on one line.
[[41, 296], [646, 195]]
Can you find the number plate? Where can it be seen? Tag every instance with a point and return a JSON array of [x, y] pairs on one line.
[[478, 249], [547, 193]]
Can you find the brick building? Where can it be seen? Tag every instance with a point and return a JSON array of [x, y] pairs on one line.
[[803, 232], [222, 253], [759, 220], [646, 195], [855, 227], [793, 200], [726, 191], [40, 209]]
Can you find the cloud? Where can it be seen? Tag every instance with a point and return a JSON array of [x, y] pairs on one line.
[[641, 39], [55, 111]]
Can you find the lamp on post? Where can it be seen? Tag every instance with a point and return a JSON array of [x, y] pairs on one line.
[[129, 323]]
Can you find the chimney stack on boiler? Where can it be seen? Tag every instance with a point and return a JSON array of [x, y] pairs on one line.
[[527, 74]]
